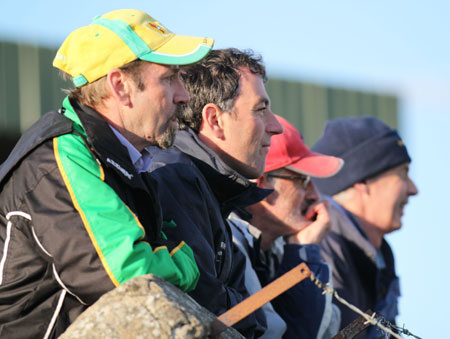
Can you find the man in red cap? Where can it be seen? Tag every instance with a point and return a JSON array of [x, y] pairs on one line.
[[294, 215]]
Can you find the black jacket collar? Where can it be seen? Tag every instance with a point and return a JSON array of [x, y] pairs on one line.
[[51, 125], [104, 144], [231, 189]]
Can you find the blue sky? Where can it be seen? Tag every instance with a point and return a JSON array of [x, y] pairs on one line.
[[401, 47]]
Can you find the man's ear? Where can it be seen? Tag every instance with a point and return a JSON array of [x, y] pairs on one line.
[[212, 122], [361, 187], [263, 182], [119, 86], [267, 183]]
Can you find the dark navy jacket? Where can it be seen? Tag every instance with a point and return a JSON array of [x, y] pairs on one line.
[[308, 313], [198, 191], [362, 275]]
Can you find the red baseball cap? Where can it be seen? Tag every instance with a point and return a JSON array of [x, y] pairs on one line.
[[287, 150]]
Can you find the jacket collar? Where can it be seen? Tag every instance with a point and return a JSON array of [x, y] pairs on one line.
[[230, 188], [353, 231], [102, 141], [107, 149], [51, 125]]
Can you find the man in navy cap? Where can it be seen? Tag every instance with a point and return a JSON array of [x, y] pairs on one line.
[[369, 195]]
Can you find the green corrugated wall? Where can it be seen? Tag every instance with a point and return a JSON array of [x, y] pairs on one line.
[[308, 106], [30, 86]]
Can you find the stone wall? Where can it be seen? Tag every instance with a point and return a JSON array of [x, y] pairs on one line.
[[146, 307]]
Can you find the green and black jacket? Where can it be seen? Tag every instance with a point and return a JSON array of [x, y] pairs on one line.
[[76, 220]]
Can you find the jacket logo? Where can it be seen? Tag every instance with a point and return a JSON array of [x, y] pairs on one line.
[[120, 168]]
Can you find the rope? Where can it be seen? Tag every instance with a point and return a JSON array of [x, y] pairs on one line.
[[372, 320]]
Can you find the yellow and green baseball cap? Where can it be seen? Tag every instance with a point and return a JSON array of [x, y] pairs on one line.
[[119, 37]]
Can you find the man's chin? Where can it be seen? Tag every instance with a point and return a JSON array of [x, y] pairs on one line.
[[396, 225], [300, 225], [166, 139]]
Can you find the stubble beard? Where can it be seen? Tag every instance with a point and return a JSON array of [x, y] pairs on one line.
[[166, 139]]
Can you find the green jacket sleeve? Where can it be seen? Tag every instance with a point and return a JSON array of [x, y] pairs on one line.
[[96, 242]]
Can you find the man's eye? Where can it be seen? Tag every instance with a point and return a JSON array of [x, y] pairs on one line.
[[404, 174], [171, 77]]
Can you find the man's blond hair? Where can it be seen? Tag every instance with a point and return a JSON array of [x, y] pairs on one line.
[[94, 93]]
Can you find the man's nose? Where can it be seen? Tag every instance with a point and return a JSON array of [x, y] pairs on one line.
[[181, 95], [273, 126], [311, 192], [412, 188]]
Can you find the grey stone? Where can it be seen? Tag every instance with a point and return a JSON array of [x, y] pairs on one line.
[[146, 307]]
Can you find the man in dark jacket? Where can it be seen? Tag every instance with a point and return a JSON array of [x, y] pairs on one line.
[[369, 195], [228, 126], [76, 216]]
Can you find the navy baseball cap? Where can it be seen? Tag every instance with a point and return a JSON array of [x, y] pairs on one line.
[[368, 147]]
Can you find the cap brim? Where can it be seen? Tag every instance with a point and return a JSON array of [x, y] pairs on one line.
[[317, 165], [180, 50]]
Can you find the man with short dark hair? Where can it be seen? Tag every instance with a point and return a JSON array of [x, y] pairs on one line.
[[77, 218], [228, 127], [369, 195]]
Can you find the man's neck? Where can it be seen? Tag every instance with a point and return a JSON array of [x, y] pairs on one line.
[[108, 110], [261, 221], [373, 234], [208, 142], [131, 137]]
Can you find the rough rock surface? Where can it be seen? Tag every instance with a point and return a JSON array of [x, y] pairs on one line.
[[146, 307]]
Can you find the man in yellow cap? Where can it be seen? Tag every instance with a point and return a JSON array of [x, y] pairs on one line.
[[76, 216]]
